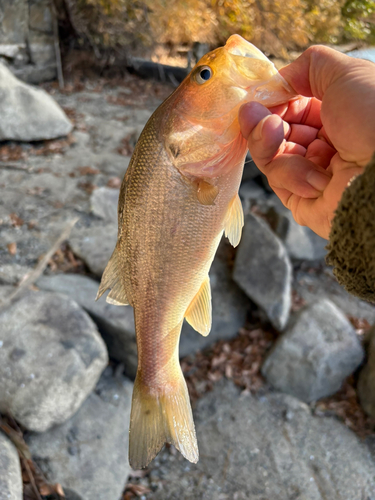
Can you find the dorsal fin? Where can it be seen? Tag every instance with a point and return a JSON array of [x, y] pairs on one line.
[[111, 279], [199, 312], [233, 222]]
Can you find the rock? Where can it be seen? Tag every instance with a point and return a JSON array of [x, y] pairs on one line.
[[269, 447], [263, 270], [116, 324], [12, 274], [313, 285], [51, 356], [94, 245], [88, 454], [104, 203], [315, 354], [229, 306], [28, 113], [300, 241], [366, 380], [251, 193], [10, 471]]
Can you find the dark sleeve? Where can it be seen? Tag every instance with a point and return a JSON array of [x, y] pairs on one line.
[[351, 248]]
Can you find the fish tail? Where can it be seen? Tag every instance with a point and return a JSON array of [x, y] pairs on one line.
[[158, 418]]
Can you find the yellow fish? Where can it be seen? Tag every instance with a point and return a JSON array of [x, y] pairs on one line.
[[179, 194]]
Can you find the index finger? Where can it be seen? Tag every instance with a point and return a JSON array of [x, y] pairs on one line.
[[302, 111]]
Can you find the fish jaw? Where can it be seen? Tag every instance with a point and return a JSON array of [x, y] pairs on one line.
[[256, 74]]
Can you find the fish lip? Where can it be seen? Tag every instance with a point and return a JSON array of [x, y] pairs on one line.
[[238, 46]]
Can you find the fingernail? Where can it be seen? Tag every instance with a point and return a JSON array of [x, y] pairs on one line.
[[257, 134], [318, 180]]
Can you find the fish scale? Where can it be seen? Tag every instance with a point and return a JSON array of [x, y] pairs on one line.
[[180, 193]]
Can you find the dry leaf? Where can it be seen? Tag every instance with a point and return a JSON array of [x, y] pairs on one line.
[[15, 220], [12, 248]]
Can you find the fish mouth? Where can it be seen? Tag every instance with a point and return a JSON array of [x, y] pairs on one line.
[[258, 75], [238, 46]]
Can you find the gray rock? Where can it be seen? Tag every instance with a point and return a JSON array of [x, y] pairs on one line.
[[116, 324], [12, 274], [265, 448], [104, 203], [251, 193], [28, 113], [10, 471], [314, 285], [88, 455], [14, 21], [51, 356], [263, 270], [300, 241], [229, 306], [316, 353], [94, 245], [366, 380]]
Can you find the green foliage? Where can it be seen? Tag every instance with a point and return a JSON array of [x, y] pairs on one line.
[[273, 25], [359, 18]]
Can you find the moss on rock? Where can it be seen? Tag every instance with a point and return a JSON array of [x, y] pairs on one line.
[[351, 248]]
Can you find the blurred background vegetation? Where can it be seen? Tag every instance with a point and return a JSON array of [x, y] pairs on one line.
[[116, 27]]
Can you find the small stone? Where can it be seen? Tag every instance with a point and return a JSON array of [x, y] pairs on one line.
[[10, 471], [229, 306], [104, 203], [315, 354], [88, 454], [366, 381], [94, 245], [51, 357], [116, 323], [28, 113], [263, 270]]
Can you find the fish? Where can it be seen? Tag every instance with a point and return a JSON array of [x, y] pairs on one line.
[[179, 195]]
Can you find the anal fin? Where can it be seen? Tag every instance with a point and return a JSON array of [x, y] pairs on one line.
[[199, 312], [234, 221], [111, 279]]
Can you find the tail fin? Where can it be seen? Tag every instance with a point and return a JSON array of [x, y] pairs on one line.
[[159, 418]]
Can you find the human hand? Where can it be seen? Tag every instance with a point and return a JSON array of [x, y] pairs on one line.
[[312, 147]]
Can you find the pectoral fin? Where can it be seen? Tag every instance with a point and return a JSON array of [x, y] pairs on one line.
[[199, 313], [234, 221], [111, 279], [206, 193]]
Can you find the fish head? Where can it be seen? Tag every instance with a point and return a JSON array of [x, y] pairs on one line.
[[203, 119]]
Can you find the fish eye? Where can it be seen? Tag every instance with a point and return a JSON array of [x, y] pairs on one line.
[[203, 74]]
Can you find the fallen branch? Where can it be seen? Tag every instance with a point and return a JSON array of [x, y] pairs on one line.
[[34, 275]]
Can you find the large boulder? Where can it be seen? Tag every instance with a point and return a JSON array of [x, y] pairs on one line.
[[10, 471], [263, 270], [28, 113], [267, 447], [51, 356], [116, 324], [315, 354], [88, 455], [94, 245]]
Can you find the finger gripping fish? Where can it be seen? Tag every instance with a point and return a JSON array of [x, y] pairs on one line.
[[179, 194]]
